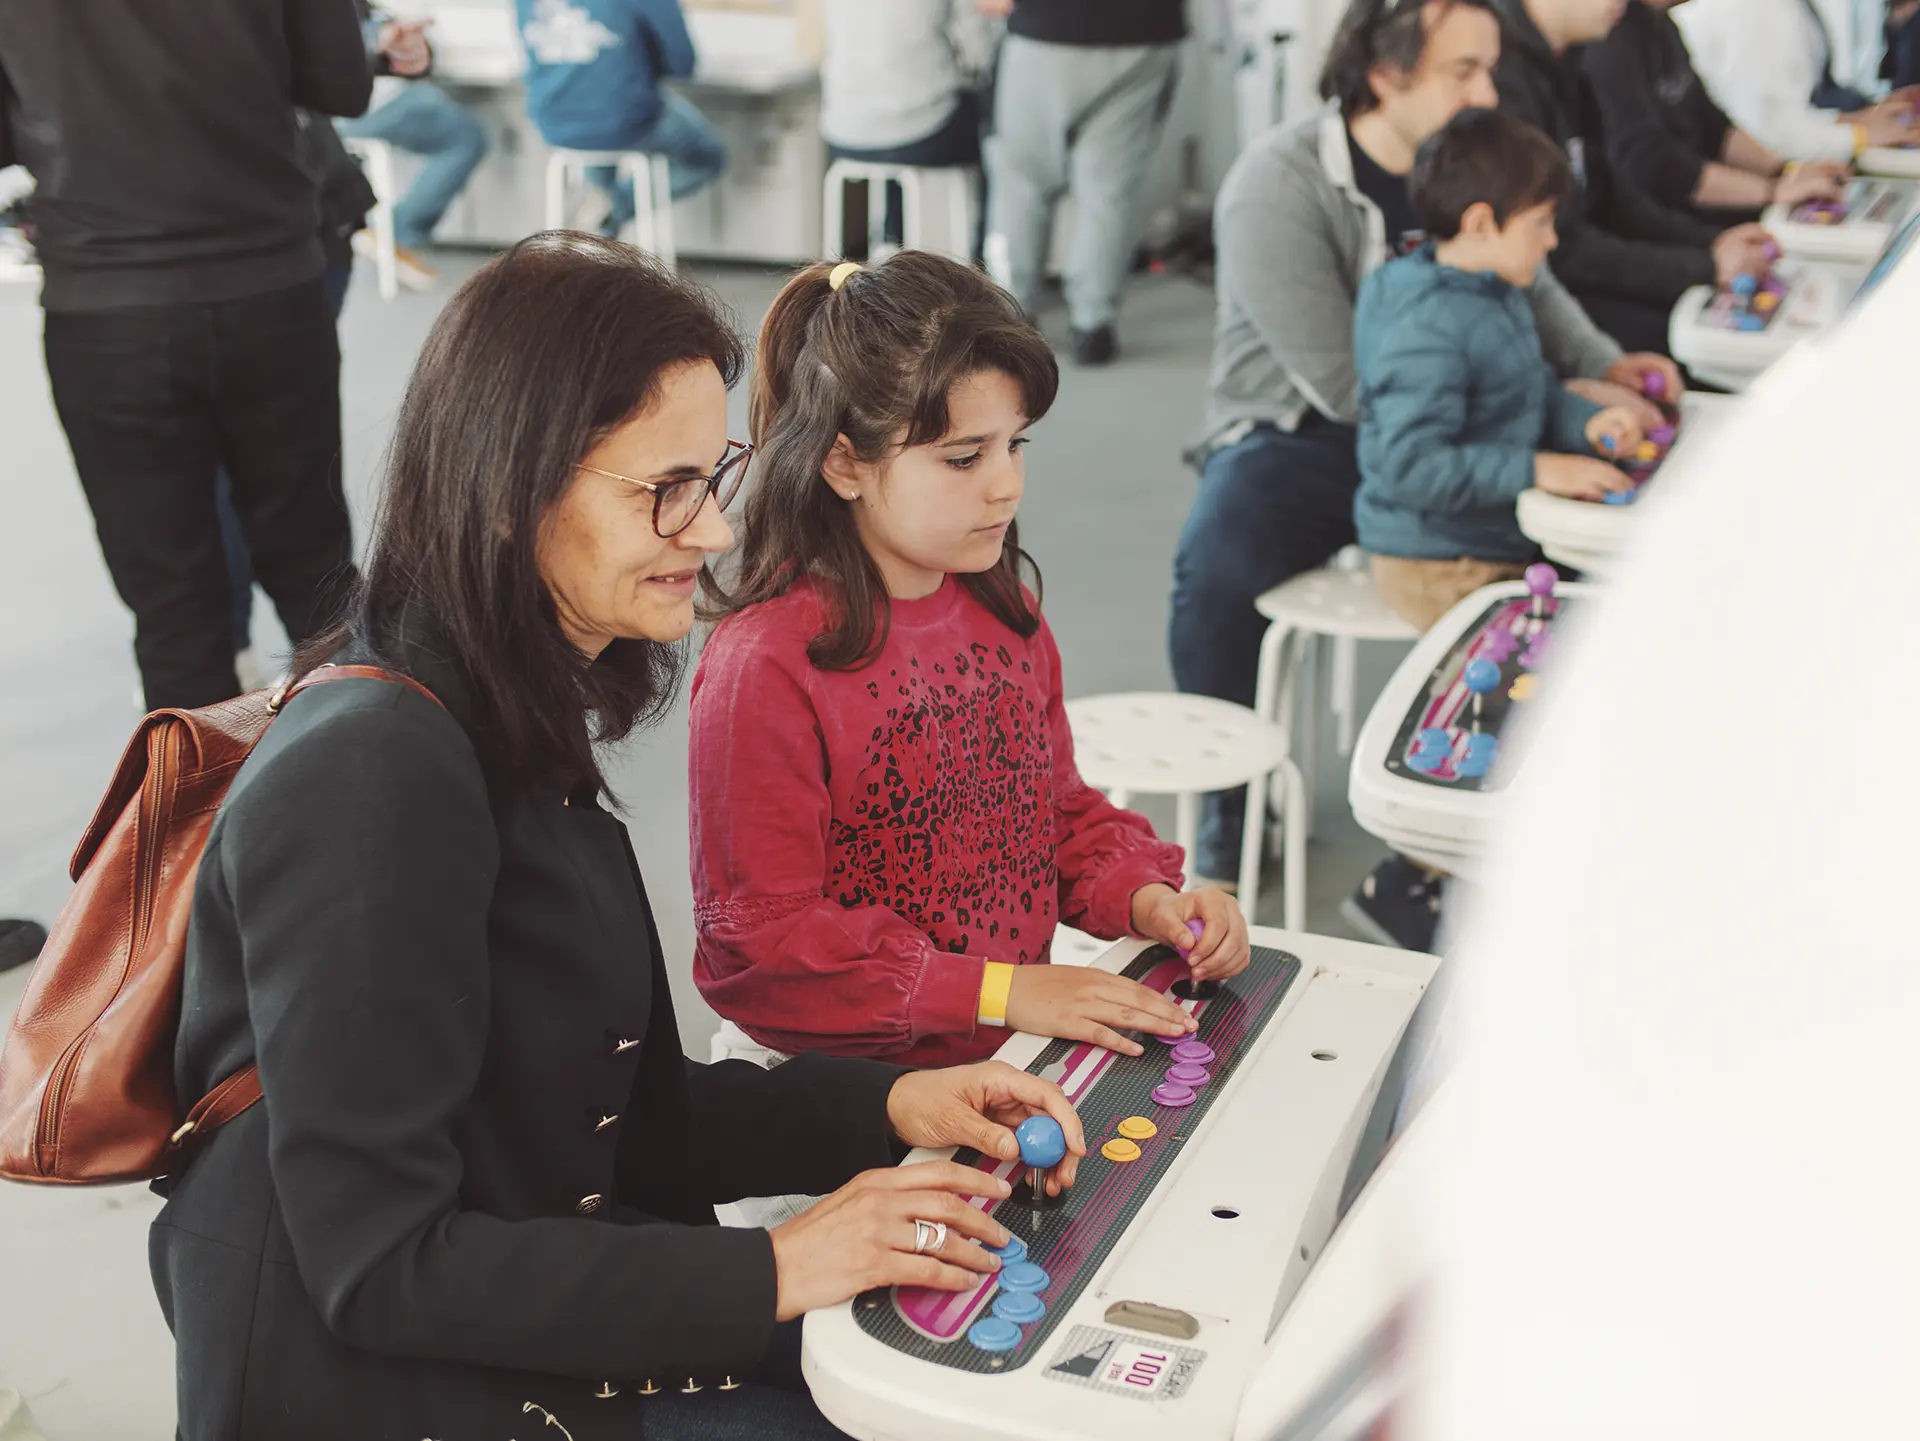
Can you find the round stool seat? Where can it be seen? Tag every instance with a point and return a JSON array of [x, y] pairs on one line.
[[1165, 743], [1335, 602]]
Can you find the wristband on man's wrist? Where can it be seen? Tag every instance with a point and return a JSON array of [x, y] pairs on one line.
[[1859, 141], [995, 986]]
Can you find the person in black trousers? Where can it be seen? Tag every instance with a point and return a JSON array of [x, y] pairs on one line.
[[1625, 257], [479, 1191], [187, 324]]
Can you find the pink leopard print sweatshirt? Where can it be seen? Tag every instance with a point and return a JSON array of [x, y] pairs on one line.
[[865, 841]]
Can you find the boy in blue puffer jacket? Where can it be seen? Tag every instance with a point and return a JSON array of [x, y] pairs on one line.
[[1459, 413], [593, 77]]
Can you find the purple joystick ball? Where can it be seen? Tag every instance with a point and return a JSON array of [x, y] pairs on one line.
[[1662, 435], [1653, 385], [1197, 928], [1541, 578]]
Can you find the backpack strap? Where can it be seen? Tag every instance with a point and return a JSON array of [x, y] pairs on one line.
[[320, 675], [220, 1105]]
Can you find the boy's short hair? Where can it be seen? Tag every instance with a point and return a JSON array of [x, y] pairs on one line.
[[1482, 155]]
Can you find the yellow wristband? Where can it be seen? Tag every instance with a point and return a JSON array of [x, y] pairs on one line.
[[995, 986], [1859, 141], [1793, 165]]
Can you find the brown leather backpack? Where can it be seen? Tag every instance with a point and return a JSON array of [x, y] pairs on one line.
[[86, 1073]]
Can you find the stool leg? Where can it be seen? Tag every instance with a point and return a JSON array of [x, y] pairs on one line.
[[1186, 827], [913, 235], [1253, 842], [1307, 751], [1293, 856], [1345, 658], [833, 227], [660, 179], [556, 217]]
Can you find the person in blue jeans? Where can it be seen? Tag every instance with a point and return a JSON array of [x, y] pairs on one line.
[[594, 73], [413, 114]]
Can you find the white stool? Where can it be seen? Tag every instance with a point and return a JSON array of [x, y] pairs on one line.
[[376, 160], [652, 194], [937, 206], [1187, 745], [1342, 603]]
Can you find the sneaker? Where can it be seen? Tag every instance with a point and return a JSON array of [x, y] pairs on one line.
[[1095, 347], [20, 942], [1397, 905], [409, 267]]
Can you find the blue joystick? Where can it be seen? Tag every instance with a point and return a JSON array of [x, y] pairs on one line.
[[1744, 285], [1043, 1145], [1042, 1142], [1481, 675]]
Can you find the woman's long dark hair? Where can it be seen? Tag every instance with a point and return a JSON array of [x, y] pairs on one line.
[[537, 358], [874, 361]]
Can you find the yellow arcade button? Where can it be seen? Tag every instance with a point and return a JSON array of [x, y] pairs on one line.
[[1524, 687], [1137, 1128], [1120, 1149]]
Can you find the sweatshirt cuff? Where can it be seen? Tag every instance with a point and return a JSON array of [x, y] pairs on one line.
[[946, 997], [1110, 912]]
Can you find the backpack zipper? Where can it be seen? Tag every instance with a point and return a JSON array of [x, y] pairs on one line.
[[52, 1104]]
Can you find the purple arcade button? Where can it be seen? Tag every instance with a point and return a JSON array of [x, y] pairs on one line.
[[1172, 1094], [1197, 1053], [1189, 1075], [1169, 1040], [1662, 435]]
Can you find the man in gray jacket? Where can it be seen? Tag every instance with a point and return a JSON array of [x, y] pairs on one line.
[[1305, 214]]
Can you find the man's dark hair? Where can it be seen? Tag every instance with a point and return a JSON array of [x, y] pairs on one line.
[[1373, 33], [1482, 155]]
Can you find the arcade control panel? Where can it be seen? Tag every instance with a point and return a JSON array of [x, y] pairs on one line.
[[1452, 737], [1647, 458], [1138, 1303], [1747, 303], [1851, 229]]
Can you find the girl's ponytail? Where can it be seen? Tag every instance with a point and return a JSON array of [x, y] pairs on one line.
[[783, 336]]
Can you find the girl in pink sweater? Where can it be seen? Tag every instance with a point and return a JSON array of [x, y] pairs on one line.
[[887, 821]]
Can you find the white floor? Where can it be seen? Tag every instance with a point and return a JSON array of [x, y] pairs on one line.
[[80, 1334]]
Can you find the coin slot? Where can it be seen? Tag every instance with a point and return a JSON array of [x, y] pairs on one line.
[[1154, 1320], [1225, 1213], [1326, 1055]]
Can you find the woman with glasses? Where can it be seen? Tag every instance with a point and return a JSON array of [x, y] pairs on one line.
[[477, 1200]]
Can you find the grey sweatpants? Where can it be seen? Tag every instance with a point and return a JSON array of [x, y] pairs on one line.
[[1079, 118]]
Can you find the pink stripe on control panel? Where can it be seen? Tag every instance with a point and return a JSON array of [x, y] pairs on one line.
[[945, 1315]]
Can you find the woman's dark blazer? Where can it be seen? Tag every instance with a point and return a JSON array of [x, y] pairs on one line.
[[483, 1173]]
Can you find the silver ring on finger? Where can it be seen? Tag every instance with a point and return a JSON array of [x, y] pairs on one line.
[[928, 1236]]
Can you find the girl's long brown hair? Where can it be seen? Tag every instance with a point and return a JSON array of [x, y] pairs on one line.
[[873, 361]]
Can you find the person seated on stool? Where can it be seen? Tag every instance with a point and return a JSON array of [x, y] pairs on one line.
[[413, 114], [888, 823], [1901, 65], [1770, 63], [594, 72], [1626, 257], [1459, 411], [1305, 214], [480, 1186], [1666, 135], [895, 88]]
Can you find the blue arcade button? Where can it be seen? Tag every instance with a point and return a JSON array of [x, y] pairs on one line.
[[1011, 1254], [1024, 1276], [994, 1334], [1022, 1308]]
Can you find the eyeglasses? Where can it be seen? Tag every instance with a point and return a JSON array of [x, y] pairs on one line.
[[677, 502]]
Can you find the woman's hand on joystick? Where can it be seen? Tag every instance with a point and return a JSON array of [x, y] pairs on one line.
[[1220, 950], [982, 1106], [863, 1236]]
